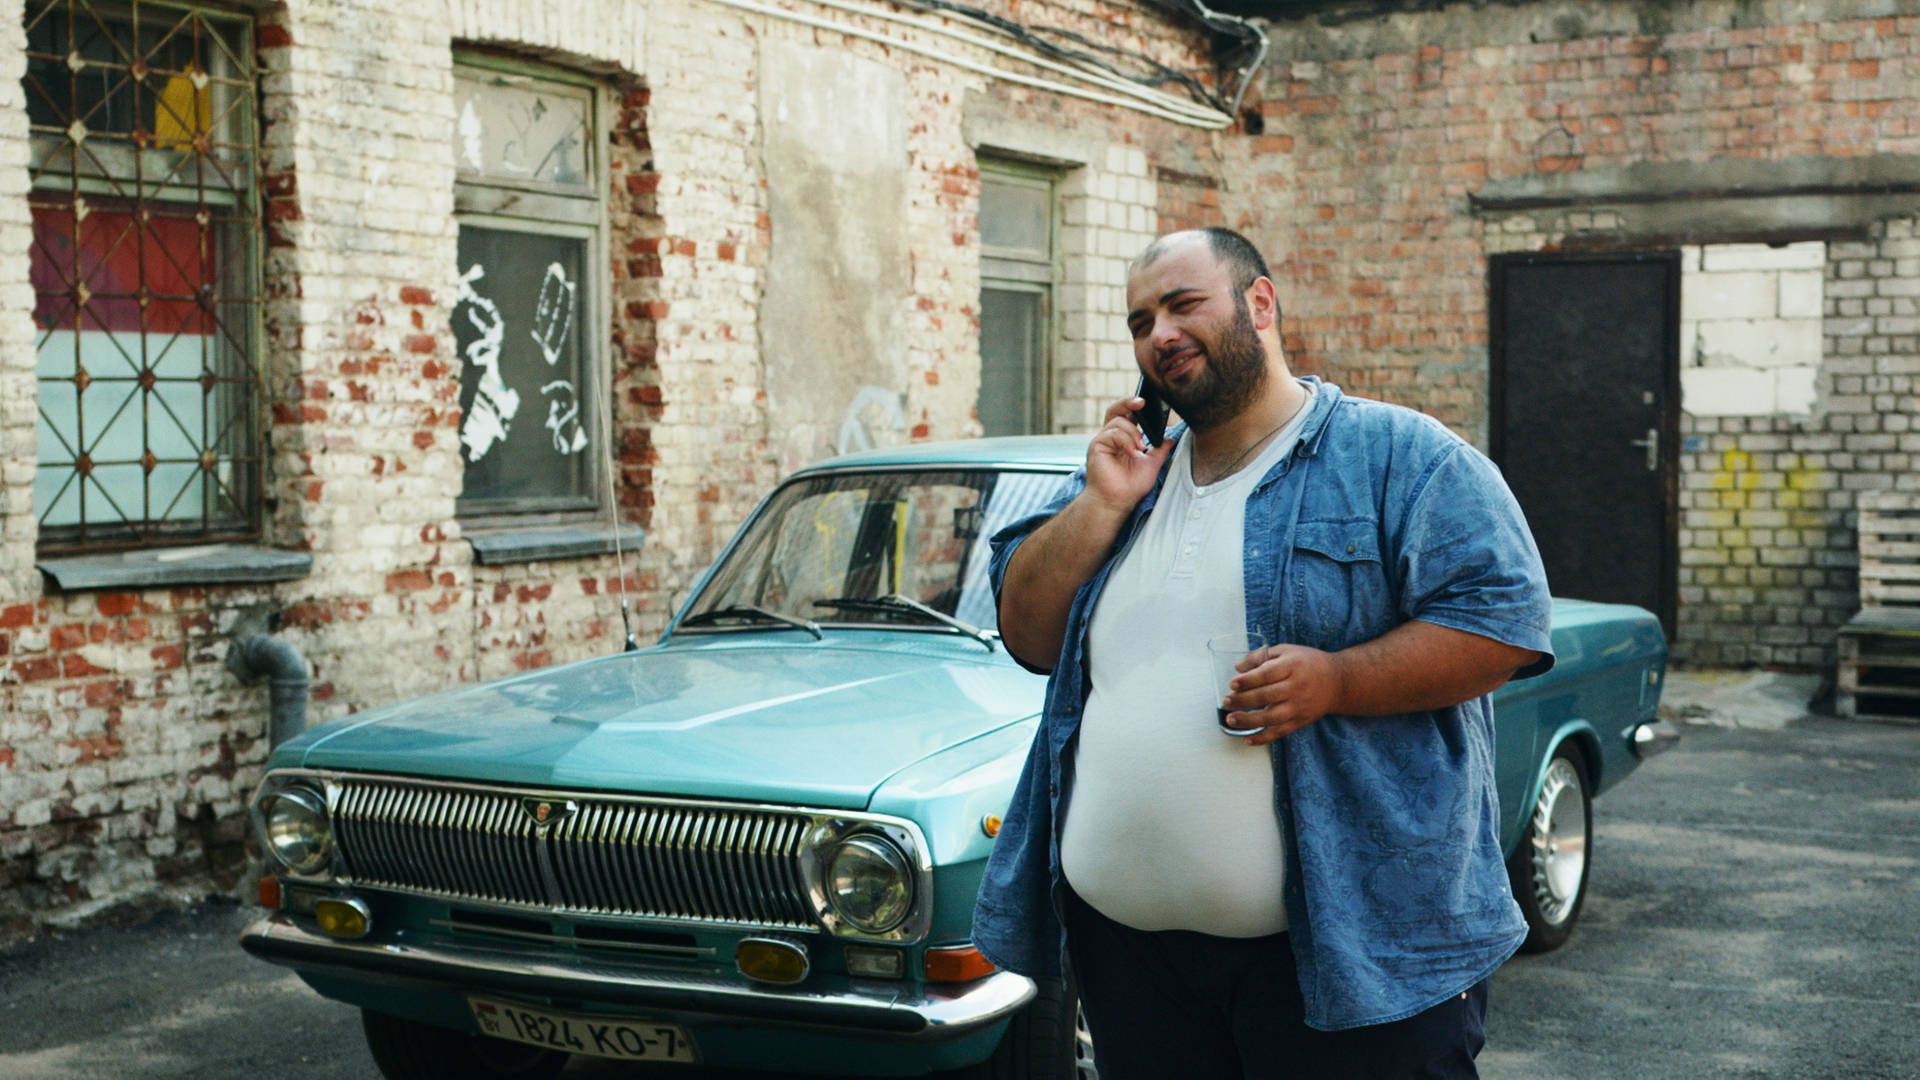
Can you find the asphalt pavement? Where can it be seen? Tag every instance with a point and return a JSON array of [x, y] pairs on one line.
[[1754, 912]]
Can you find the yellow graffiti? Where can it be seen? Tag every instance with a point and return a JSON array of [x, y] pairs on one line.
[[1738, 487]]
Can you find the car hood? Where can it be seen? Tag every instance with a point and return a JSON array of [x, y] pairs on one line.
[[728, 716]]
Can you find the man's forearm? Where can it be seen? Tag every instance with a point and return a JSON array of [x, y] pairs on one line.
[[1047, 570], [1419, 666], [1415, 667]]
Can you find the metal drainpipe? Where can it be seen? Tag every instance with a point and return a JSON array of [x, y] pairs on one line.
[[257, 655]]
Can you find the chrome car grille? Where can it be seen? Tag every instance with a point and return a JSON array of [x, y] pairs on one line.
[[597, 855]]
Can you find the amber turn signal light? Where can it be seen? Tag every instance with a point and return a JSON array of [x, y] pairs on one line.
[[270, 892], [771, 960], [346, 919], [957, 963]]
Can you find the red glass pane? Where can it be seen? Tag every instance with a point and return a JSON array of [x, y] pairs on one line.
[[114, 255]]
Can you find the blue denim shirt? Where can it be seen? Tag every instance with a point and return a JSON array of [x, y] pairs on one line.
[[1396, 891]]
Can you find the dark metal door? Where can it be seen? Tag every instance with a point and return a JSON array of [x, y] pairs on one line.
[[1584, 398]]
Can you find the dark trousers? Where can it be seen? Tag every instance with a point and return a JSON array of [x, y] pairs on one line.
[[1175, 1004]]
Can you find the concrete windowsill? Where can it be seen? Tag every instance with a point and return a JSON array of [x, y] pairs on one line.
[[208, 564], [494, 547]]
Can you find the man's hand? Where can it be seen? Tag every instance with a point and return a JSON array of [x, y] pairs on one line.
[[1415, 667], [1283, 689], [1119, 472]]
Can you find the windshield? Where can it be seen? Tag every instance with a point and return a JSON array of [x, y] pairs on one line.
[[826, 540]]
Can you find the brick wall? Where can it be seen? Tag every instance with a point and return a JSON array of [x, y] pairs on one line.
[[1375, 134], [127, 749], [1768, 555], [17, 530]]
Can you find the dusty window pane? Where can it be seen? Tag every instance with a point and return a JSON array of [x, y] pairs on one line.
[[1014, 216], [513, 129], [1012, 361]]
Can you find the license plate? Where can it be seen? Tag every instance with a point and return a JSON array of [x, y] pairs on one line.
[[574, 1033]]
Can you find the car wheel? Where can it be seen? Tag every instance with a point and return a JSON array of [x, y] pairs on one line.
[[1549, 867], [410, 1050], [1047, 1040]]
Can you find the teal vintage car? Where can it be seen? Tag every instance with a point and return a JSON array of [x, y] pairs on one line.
[[756, 843]]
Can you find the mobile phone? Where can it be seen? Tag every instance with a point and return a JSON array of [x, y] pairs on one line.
[[1152, 417]]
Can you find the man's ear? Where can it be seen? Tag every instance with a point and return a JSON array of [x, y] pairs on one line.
[[1263, 304]]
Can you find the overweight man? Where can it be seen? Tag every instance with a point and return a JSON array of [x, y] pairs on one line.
[[1324, 897]]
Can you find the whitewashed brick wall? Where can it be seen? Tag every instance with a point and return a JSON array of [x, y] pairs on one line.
[[126, 748], [17, 532], [1110, 216]]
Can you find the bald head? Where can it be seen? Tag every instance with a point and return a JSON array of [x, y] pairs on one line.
[[1232, 250]]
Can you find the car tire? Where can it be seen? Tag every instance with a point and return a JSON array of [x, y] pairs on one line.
[[1047, 1040], [1550, 865], [410, 1050]]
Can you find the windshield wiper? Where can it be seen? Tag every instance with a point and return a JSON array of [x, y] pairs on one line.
[[906, 604], [754, 611]]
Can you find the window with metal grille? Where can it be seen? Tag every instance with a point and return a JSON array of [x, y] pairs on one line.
[[145, 272], [1016, 299], [531, 219]]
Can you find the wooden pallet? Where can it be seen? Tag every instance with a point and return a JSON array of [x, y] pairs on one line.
[[1880, 647]]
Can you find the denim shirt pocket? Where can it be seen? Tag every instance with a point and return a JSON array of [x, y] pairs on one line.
[[1341, 595]]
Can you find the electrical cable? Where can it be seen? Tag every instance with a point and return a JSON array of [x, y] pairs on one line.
[[1112, 82], [1030, 36], [1137, 97]]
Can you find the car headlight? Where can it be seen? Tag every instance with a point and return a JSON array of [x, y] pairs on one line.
[[297, 833], [870, 884]]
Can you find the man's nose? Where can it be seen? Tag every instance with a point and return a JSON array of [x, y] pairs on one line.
[[1165, 336]]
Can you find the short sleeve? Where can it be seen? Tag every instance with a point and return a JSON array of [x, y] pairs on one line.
[[1008, 540], [1468, 561]]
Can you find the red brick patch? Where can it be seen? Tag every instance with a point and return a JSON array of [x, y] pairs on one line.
[[117, 603], [409, 581]]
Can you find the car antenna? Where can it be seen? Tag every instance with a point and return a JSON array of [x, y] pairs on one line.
[[619, 556]]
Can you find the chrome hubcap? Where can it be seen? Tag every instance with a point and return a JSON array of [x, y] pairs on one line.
[[1083, 1046], [1559, 842]]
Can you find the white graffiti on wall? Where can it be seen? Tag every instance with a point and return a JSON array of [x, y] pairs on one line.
[[853, 433], [471, 131], [494, 402], [489, 418], [563, 417], [553, 313]]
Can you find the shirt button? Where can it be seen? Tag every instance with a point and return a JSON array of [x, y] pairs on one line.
[[1349, 549]]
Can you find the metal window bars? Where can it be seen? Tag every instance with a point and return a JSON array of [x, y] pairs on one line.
[[146, 273]]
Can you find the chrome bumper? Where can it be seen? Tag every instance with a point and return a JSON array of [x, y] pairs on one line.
[[875, 1008], [1652, 739]]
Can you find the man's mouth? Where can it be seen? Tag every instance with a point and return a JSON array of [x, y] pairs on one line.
[[1179, 363]]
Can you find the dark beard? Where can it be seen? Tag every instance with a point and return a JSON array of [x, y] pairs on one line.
[[1235, 372]]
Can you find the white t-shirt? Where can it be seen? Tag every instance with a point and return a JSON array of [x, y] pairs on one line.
[[1171, 823]]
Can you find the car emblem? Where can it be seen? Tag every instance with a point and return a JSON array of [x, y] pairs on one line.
[[544, 811]]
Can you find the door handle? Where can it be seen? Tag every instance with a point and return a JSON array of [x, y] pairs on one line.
[[1652, 443]]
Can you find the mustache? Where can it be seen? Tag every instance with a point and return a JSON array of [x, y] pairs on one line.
[[1163, 358]]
